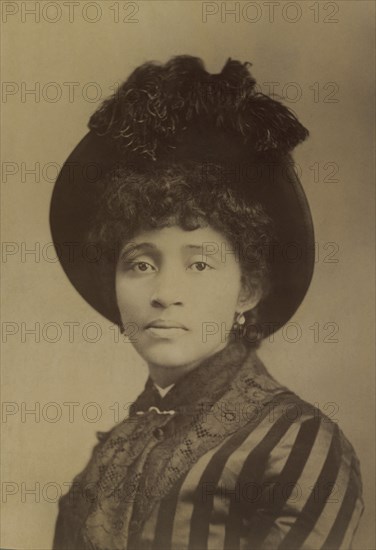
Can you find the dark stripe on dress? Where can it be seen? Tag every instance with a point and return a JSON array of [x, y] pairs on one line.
[[200, 520], [341, 523], [318, 498], [285, 482], [251, 473], [166, 516]]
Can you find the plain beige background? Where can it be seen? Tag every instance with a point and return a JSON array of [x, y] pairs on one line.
[[45, 450]]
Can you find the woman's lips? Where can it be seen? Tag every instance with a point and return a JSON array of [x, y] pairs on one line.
[[161, 328], [167, 333]]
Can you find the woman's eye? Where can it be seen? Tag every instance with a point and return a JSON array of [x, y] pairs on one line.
[[142, 267], [200, 266]]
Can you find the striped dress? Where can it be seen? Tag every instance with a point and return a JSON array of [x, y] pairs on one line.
[[228, 459]]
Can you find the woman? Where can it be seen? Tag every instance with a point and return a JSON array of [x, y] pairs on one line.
[[203, 245]]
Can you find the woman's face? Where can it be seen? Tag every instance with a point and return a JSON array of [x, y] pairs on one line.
[[178, 292]]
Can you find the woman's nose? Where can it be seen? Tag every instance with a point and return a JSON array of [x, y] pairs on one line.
[[168, 291]]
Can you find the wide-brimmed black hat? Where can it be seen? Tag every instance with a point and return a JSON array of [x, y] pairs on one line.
[[179, 112]]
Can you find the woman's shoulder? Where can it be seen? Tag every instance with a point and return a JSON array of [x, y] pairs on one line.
[[305, 475], [289, 418], [294, 414], [305, 434]]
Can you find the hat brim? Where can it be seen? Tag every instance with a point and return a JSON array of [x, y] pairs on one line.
[[278, 188]]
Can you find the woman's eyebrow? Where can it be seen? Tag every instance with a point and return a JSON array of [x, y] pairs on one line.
[[204, 249], [195, 246], [131, 248]]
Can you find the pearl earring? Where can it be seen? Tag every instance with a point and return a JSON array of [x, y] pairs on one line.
[[239, 325], [240, 319]]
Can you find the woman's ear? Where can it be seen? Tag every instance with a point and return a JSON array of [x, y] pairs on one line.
[[249, 296]]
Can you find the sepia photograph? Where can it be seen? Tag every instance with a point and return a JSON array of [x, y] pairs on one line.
[[188, 261]]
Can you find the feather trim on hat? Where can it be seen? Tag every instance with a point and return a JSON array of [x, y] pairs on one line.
[[150, 113]]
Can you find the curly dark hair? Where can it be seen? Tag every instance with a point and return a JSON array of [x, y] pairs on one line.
[[174, 194]]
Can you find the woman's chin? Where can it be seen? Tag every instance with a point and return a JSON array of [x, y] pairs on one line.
[[168, 355], [172, 354], [176, 353]]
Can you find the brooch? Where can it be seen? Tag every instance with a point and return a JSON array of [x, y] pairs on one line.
[[156, 410]]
